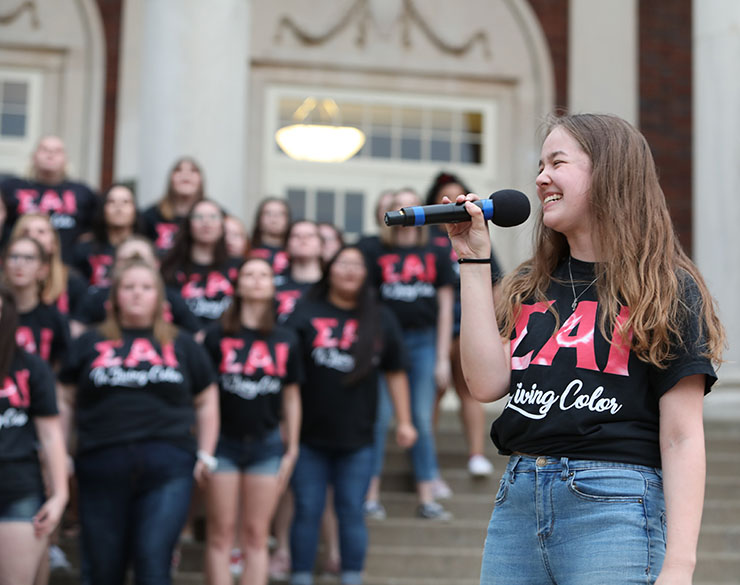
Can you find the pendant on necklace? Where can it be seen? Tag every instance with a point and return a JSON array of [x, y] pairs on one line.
[[573, 304]]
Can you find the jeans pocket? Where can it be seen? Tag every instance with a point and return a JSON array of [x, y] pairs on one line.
[[608, 484], [503, 490]]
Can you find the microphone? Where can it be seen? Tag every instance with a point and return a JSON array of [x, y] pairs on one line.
[[505, 208]]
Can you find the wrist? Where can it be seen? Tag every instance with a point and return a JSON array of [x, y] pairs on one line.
[[207, 459]]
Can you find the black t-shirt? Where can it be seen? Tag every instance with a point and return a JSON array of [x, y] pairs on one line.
[[158, 229], [76, 288], [337, 415], [44, 331], [370, 245], [287, 295], [93, 309], [70, 205], [440, 239], [407, 280], [94, 261], [27, 392], [208, 290], [276, 257], [252, 370], [573, 394], [135, 389]]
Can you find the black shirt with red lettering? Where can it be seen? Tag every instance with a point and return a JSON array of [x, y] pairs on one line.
[[70, 205], [337, 415], [136, 389], [253, 368], [68, 301], [94, 261], [287, 296], [27, 392], [44, 331], [407, 280], [160, 230], [207, 290], [276, 257], [574, 394]]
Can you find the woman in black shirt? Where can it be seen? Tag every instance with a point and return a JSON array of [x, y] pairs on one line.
[[605, 348], [259, 372], [185, 187], [198, 264], [347, 340], [146, 401], [42, 330], [117, 218], [29, 420]]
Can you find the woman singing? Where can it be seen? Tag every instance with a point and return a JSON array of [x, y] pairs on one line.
[[609, 337]]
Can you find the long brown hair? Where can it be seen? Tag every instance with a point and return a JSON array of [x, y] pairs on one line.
[[163, 331], [643, 266], [55, 284], [231, 320], [8, 325], [165, 205]]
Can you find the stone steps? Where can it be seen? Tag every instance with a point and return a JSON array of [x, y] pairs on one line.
[[406, 550]]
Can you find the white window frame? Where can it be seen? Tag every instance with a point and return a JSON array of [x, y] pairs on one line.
[[372, 175], [15, 150]]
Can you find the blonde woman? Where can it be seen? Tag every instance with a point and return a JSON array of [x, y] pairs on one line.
[[146, 407], [63, 287]]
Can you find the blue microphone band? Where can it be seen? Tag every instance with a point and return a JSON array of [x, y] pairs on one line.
[[419, 215], [487, 208]]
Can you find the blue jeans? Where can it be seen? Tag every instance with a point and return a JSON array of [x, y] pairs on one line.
[[421, 349], [133, 503], [21, 510], [575, 522], [260, 456], [349, 473]]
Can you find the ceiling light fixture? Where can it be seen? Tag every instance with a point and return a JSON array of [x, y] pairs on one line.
[[322, 142]]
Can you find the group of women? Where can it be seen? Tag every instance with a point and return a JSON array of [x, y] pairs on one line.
[[177, 355], [196, 358]]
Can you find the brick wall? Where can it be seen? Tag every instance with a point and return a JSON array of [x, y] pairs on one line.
[[666, 102], [111, 12], [553, 17]]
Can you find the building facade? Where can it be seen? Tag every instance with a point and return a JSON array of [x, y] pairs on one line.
[[131, 85]]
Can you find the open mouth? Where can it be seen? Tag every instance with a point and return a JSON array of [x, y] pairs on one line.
[[551, 198]]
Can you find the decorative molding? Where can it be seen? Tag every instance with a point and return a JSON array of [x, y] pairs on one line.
[[361, 11], [14, 14]]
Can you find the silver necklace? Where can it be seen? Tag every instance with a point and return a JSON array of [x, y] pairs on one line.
[[573, 288]]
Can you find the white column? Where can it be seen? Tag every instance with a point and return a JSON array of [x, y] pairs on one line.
[[716, 203], [186, 94], [602, 57]]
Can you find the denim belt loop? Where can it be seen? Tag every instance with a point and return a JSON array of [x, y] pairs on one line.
[[565, 470], [515, 459]]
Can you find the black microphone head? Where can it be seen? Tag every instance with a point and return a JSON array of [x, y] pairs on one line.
[[510, 207]]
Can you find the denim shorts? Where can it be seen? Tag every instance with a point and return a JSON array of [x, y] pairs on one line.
[[21, 510], [260, 456], [565, 521]]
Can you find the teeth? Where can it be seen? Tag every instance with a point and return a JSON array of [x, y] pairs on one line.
[[552, 198]]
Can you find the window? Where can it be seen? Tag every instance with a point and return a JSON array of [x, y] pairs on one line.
[[409, 139], [427, 132], [20, 117], [13, 109]]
